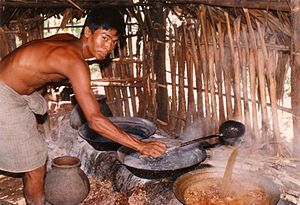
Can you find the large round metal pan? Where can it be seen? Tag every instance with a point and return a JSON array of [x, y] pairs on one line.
[[138, 127], [77, 117], [209, 175], [171, 164]]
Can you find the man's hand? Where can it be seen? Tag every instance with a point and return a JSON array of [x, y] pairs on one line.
[[152, 148]]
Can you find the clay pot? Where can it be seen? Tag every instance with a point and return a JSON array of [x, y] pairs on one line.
[[66, 183]]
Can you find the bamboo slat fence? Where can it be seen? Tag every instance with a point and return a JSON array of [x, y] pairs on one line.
[[221, 67], [222, 63]]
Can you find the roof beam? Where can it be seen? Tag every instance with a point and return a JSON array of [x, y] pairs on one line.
[[251, 4], [279, 5], [65, 4]]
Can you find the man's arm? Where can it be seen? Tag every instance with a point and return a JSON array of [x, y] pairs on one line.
[[80, 79]]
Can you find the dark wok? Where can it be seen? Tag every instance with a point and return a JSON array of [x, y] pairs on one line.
[[138, 127], [179, 158], [171, 164]]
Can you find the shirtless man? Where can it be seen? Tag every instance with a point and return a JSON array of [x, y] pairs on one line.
[[29, 68]]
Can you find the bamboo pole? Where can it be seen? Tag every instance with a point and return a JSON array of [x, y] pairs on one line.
[[123, 74], [204, 56], [236, 67], [196, 67], [131, 74], [117, 85], [191, 108], [218, 69], [226, 72], [151, 109], [244, 87], [172, 57], [189, 76], [211, 61], [143, 94], [181, 93], [260, 73], [151, 83], [262, 96], [198, 73], [140, 90], [117, 92], [245, 62], [109, 92], [253, 90], [281, 73], [119, 80], [239, 77], [271, 77]]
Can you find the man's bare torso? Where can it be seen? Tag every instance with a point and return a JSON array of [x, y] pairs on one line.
[[39, 62]]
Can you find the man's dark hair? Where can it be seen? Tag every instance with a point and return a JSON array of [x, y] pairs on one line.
[[106, 18]]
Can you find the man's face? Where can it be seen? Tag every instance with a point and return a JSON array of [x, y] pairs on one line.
[[102, 42]]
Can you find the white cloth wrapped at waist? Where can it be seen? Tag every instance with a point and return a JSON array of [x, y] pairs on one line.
[[22, 148]]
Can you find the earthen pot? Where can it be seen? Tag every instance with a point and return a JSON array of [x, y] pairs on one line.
[[66, 183]]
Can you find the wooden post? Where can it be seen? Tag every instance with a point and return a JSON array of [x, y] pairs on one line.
[[295, 74], [142, 94], [159, 50]]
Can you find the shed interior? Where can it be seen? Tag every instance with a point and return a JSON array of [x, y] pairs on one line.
[[187, 66]]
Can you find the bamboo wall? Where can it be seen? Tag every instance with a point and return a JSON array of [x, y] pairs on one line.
[[25, 30], [219, 69], [221, 64]]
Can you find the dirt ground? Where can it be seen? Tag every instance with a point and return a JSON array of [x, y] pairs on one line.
[[102, 191]]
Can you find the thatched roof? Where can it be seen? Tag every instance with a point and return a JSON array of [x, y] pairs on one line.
[[273, 14], [22, 9]]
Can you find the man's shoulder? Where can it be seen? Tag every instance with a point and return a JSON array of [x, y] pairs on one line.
[[62, 37], [51, 42], [60, 44]]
